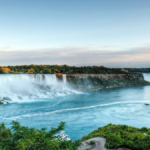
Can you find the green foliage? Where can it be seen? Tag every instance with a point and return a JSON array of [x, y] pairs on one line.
[[92, 142], [24, 138], [47, 69], [146, 70], [123, 136]]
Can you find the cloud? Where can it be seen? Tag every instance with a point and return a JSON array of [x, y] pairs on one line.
[[79, 56], [4, 48]]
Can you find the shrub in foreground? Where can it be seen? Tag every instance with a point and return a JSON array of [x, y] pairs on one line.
[[123, 136], [25, 138]]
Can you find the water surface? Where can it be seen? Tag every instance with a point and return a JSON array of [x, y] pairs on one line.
[[83, 112]]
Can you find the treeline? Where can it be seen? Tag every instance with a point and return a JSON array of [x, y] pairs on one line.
[[51, 69], [123, 136], [141, 70], [24, 138]]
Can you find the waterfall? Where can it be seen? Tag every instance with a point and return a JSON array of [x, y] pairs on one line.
[[64, 79], [146, 76], [31, 78], [33, 86]]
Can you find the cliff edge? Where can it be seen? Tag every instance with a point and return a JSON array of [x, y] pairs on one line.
[[104, 81]]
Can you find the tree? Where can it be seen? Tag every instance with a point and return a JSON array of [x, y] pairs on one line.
[[24, 138], [5, 70], [31, 71]]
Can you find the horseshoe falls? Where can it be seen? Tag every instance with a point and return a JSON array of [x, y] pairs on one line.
[[44, 101], [146, 76]]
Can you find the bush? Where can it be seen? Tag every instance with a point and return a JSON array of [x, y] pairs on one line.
[[123, 136], [24, 138], [92, 142]]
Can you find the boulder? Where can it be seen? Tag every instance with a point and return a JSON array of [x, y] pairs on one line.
[[19, 97], [1, 102], [6, 99]]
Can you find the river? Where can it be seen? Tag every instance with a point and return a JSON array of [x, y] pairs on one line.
[[83, 112]]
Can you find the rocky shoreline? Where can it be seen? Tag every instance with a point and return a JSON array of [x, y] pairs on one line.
[[5, 100], [87, 82]]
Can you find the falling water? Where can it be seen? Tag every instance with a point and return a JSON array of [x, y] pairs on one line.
[[146, 76], [32, 86]]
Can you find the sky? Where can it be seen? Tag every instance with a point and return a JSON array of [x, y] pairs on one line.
[[111, 33]]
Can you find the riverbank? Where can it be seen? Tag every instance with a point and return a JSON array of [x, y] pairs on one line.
[[4, 100], [87, 82]]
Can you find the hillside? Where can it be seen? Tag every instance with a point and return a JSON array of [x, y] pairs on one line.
[[123, 136]]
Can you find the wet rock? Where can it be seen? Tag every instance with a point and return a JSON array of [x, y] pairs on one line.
[[87, 82], [19, 97], [6, 99], [59, 76], [1, 102], [147, 104]]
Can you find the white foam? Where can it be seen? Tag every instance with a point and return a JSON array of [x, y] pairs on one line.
[[73, 109], [24, 87], [146, 76]]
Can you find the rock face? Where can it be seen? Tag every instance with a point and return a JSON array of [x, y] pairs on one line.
[[5, 100], [99, 144], [59, 76], [105, 81]]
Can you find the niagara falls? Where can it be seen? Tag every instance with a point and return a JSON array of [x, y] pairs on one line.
[[36, 99], [74, 74]]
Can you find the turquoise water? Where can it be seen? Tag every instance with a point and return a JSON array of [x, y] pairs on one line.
[[83, 112]]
